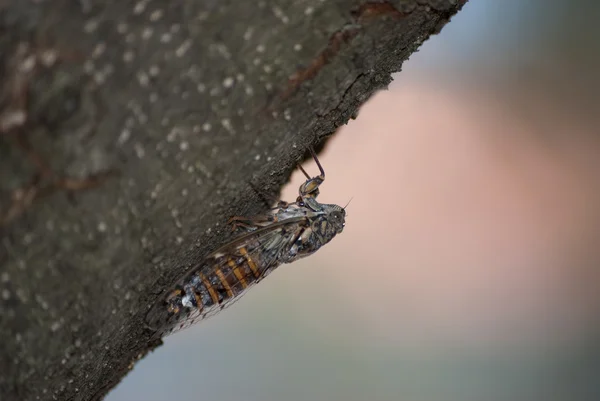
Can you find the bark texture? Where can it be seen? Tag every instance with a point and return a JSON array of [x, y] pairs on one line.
[[131, 131]]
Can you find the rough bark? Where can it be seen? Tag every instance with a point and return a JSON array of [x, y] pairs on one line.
[[130, 131]]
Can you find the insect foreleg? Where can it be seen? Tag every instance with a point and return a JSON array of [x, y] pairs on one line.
[[309, 191]]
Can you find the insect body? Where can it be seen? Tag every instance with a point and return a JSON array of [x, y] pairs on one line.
[[287, 233]]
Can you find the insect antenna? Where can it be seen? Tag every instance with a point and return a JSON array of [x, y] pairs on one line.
[[348, 203]]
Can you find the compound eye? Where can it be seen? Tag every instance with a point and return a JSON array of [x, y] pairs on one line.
[[336, 216]]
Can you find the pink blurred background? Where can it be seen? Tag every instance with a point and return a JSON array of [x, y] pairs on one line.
[[469, 266]]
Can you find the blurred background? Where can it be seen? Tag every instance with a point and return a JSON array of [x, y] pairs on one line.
[[469, 266]]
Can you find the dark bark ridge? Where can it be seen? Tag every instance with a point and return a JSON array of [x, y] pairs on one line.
[[197, 110]]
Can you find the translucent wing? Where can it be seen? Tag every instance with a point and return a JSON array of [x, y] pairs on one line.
[[221, 279]]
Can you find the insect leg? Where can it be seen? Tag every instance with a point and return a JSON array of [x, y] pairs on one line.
[[308, 177], [314, 155], [309, 191]]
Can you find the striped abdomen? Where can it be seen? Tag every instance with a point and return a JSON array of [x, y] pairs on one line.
[[223, 279]]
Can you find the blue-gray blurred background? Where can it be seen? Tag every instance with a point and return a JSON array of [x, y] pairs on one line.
[[469, 266]]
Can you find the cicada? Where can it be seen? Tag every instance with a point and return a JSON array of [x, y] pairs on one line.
[[285, 234]]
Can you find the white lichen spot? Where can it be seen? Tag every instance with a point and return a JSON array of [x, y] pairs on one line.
[[147, 33], [156, 15], [260, 48], [183, 48], [28, 238], [143, 78], [99, 78], [5, 294], [102, 227], [309, 10], [206, 127], [42, 302], [281, 15], [139, 150], [179, 240], [267, 68], [128, 56], [154, 70], [256, 61], [91, 26], [215, 91], [201, 88], [228, 82], [269, 86], [226, 123], [98, 50], [139, 8], [202, 16], [55, 326], [12, 118], [28, 64], [248, 33], [184, 192], [240, 77], [123, 136], [5, 277], [172, 135], [249, 90], [287, 114], [257, 157], [222, 49], [166, 38], [297, 47], [175, 28], [49, 57]]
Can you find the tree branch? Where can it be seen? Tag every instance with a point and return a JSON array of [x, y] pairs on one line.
[[129, 133]]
